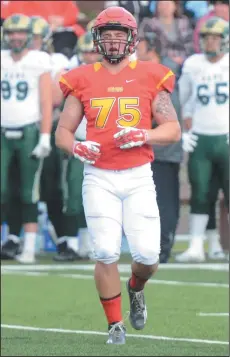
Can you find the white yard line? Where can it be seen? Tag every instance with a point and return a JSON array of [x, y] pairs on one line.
[[82, 332], [91, 277], [123, 268], [213, 314]]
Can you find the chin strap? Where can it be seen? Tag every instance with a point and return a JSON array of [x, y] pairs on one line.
[[114, 60]]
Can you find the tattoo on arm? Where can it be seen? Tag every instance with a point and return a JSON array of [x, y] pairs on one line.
[[163, 104], [163, 108]]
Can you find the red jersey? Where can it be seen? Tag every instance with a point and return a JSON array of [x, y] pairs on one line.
[[112, 102]]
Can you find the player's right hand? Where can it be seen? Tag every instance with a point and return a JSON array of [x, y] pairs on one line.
[[86, 151], [189, 141]]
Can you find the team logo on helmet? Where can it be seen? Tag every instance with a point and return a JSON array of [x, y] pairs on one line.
[[40, 27], [215, 26]]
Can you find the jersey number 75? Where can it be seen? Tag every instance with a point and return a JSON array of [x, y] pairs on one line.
[[126, 107]]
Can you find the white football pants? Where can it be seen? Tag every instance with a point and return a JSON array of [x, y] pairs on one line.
[[117, 201]]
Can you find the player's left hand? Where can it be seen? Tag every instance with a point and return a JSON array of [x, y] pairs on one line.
[[129, 137], [43, 148]]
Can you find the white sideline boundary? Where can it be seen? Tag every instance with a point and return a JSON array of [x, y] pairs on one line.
[[218, 314], [122, 278], [123, 268], [82, 332]]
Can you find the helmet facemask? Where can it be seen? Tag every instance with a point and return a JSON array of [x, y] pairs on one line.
[[114, 50], [17, 45], [223, 47], [214, 37]]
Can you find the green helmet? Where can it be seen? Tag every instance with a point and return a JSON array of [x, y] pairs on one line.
[[41, 27], [84, 45], [17, 23], [90, 25], [215, 26]]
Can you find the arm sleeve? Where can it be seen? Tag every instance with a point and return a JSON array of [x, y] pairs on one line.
[[186, 92], [69, 84], [162, 79]]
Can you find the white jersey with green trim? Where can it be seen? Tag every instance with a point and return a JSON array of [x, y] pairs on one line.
[[20, 97], [204, 94]]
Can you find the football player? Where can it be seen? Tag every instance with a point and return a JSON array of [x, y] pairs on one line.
[[204, 93], [51, 178], [26, 117], [72, 173], [51, 187], [118, 99]]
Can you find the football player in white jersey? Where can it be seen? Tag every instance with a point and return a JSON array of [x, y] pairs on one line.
[[68, 215], [51, 188], [204, 95], [74, 220], [26, 119], [51, 179]]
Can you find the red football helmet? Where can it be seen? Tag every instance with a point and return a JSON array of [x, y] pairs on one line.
[[115, 18]]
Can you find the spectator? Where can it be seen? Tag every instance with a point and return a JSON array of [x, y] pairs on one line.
[[220, 9], [61, 16], [166, 165], [139, 9], [173, 29], [192, 9], [57, 13], [197, 8]]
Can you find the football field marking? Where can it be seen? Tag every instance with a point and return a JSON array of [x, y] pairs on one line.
[[82, 332], [219, 314], [123, 268], [122, 278]]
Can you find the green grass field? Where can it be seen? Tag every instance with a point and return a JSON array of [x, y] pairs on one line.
[[53, 310]]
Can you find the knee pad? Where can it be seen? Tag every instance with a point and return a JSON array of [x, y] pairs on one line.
[[29, 213], [105, 256]]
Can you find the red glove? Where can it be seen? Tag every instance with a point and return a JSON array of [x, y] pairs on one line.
[[129, 137], [86, 151]]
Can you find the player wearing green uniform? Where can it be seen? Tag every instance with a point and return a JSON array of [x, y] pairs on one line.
[[204, 94], [26, 98]]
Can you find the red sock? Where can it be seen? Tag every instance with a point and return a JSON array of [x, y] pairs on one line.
[[112, 309], [137, 283]]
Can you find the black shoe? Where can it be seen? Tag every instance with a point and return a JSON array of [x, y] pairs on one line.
[[138, 310], [68, 255], [9, 250]]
